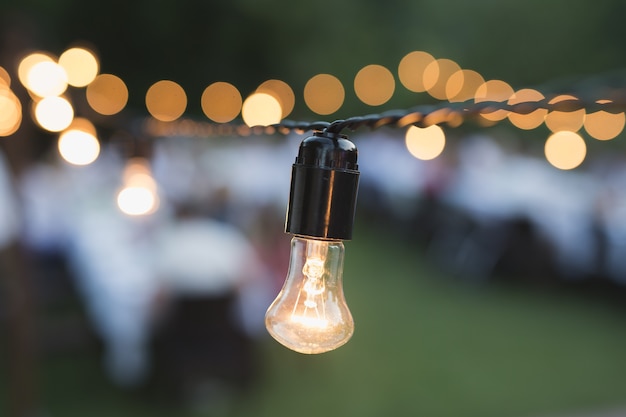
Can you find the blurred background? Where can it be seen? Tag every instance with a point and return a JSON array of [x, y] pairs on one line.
[[142, 212]]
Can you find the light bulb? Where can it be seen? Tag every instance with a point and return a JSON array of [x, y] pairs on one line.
[[310, 314]]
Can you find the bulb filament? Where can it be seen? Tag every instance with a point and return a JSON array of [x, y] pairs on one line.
[[313, 314]]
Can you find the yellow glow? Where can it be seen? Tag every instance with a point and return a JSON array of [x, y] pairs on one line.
[[530, 120], [411, 70], [603, 125], [5, 78], [261, 109], [10, 111], [107, 94], [46, 79], [425, 143], [374, 85], [436, 76], [572, 121], [54, 113], [27, 63], [138, 196], [78, 147], [497, 91], [221, 102], [565, 150], [324, 94], [166, 100], [81, 66], [462, 85], [281, 91], [84, 125]]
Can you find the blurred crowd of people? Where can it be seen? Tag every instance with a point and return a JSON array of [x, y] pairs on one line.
[[183, 291]]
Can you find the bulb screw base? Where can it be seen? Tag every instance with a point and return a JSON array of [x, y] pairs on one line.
[[324, 186]]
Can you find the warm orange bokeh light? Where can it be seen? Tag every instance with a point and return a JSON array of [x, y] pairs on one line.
[[221, 102], [411, 70], [5, 78], [496, 91], [107, 94], [436, 76], [603, 125], [28, 62], [81, 66], [78, 147], [10, 111], [54, 113], [166, 100], [462, 85], [282, 92], [565, 150], [374, 85], [529, 120], [324, 94], [46, 79], [425, 143], [572, 121], [261, 109]]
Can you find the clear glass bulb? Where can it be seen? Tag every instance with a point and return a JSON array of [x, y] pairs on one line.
[[310, 314]]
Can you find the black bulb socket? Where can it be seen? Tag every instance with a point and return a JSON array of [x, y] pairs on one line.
[[324, 186]]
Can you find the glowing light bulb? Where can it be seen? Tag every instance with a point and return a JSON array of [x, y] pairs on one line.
[[310, 314]]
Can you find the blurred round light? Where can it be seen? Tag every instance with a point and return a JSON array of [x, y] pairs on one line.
[[46, 79], [78, 147], [462, 85], [107, 94], [54, 113], [411, 70], [81, 66], [565, 150], [137, 201], [324, 94], [27, 63], [166, 100], [496, 91], [603, 125], [261, 109], [529, 120], [5, 78], [436, 76], [281, 91], [425, 143], [221, 102], [374, 85], [557, 121], [10, 111]]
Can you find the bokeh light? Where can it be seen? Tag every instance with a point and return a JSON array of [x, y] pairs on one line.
[[565, 150], [324, 94], [221, 102], [261, 109], [374, 85], [107, 94], [603, 125], [5, 78], [557, 120], [425, 143], [77, 144], [530, 120], [81, 66], [411, 70], [496, 91], [436, 76], [139, 194], [28, 62], [462, 85], [54, 113], [10, 111], [166, 100], [46, 79], [282, 92]]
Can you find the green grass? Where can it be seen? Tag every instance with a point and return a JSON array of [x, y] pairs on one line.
[[424, 345]]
